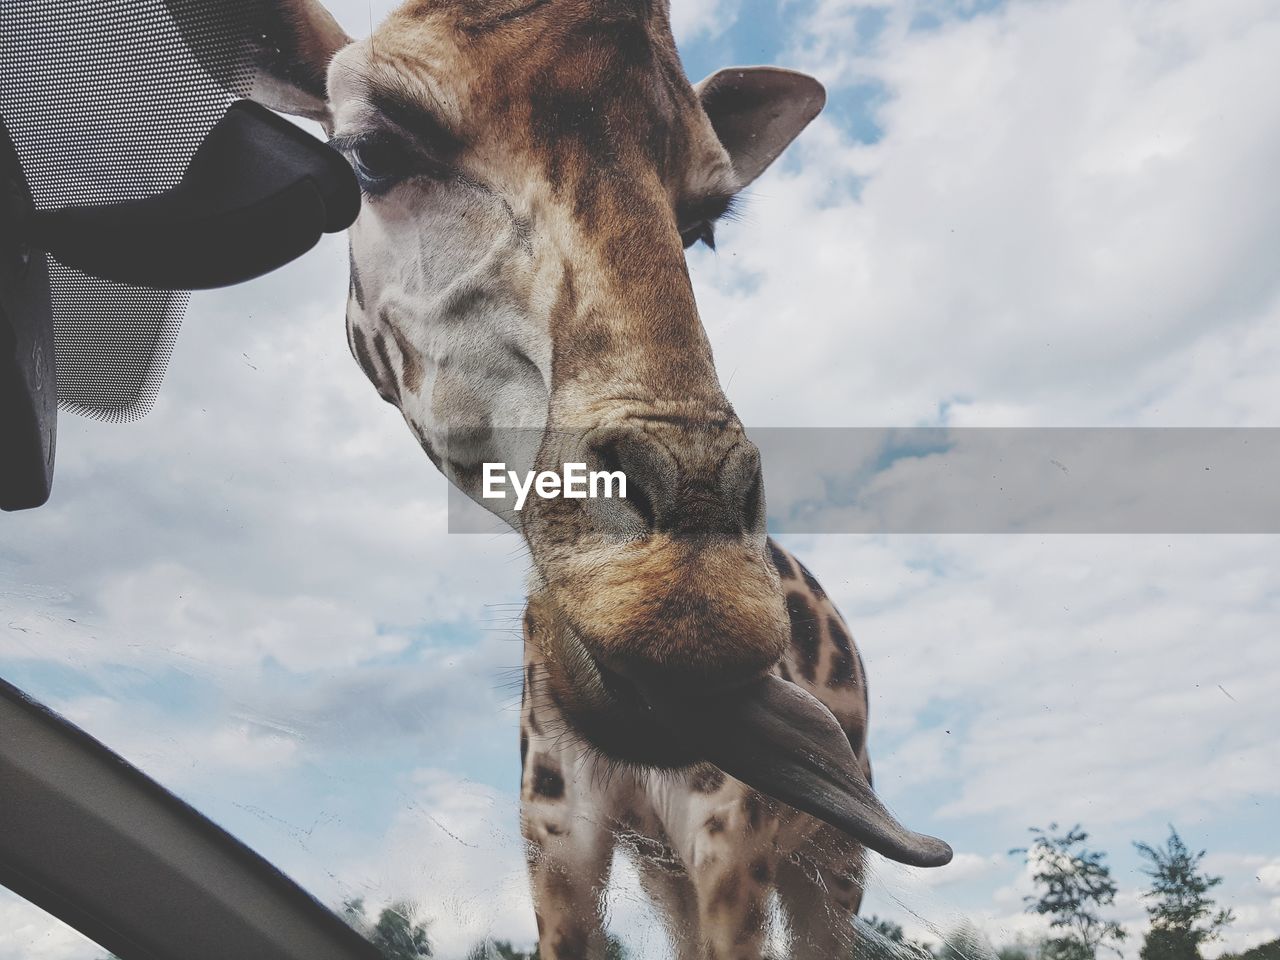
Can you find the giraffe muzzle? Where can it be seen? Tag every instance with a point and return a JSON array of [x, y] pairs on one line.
[[780, 740]]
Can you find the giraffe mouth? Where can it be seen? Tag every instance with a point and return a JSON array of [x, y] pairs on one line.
[[783, 742]]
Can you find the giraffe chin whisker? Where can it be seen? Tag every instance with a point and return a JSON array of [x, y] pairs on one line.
[[780, 740]]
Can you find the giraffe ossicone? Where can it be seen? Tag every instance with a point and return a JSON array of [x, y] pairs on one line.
[[532, 171]]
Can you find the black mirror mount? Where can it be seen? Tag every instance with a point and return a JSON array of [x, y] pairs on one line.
[[28, 395], [258, 192]]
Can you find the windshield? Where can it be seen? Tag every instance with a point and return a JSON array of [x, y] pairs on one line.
[[1031, 215]]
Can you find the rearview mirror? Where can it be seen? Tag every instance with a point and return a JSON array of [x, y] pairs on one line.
[[257, 193]]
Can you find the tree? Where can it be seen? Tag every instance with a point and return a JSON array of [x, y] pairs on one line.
[[1075, 885], [1181, 911], [886, 928], [888, 936], [396, 934], [965, 942], [1020, 949], [499, 950], [614, 949], [1264, 951]]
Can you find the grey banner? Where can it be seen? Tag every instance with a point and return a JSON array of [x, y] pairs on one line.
[[1006, 480]]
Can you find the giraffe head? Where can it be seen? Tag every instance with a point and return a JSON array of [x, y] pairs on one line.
[[533, 171]]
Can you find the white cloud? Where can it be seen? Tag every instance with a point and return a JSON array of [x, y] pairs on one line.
[[455, 850], [1067, 221], [31, 934], [1269, 876], [692, 19], [1044, 662], [184, 754], [1251, 888]]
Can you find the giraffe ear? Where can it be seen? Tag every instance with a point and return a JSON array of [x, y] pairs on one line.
[[757, 111], [276, 52]]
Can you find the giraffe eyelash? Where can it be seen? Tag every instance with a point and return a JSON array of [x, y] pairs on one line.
[[703, 232], [701, 219], [382, 160]]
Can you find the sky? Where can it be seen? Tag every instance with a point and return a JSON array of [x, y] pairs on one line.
[[1034, 213]]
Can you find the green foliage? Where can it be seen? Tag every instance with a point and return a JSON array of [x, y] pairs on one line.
[[1066, 948], [886, 928], [1162, 943], [500, 950], [395, 933], [885, 939], [1075, 884], [1020, 950], [965, 942], [1265, 951], [614, 949], [1181, 911]]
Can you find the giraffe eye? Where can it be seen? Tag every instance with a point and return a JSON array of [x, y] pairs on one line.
[[380, 162]]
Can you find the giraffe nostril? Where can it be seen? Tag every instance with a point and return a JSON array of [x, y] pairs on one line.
[[741, 483], [643, 505], [753, 503], [651, 474], [684, 484]]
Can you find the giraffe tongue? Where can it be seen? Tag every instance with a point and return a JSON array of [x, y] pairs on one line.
[[777, 738]]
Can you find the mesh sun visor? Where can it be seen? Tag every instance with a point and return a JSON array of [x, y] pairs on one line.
[[105, 102]]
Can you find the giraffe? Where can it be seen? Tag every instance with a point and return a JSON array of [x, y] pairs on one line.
[[532, 172], [709, 850]]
